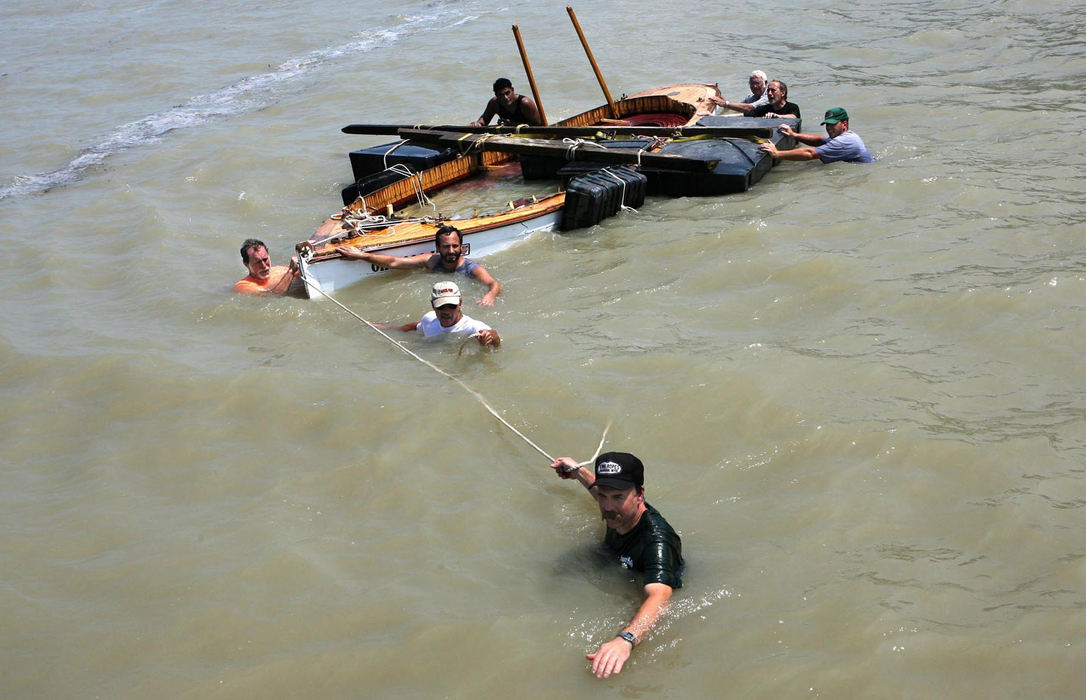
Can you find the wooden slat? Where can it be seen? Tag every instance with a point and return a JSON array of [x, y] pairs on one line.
[[587, 151]]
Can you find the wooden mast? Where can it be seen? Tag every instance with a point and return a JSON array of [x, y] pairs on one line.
[[592, 60], [528, 70]]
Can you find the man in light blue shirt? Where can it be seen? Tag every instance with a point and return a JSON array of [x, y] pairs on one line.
[[840, 142]]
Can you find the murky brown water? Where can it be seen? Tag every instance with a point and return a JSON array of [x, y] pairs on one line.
[[858, 391]]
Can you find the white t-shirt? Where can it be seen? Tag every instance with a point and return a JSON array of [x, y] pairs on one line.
[[430, 326]]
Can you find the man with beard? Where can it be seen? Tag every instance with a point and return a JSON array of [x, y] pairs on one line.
[[511, 108], [641, 539], [448, 258]]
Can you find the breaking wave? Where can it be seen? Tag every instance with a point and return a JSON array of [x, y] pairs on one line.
[[248, 94]]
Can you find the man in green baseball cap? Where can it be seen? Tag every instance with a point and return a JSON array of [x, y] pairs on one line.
[[840, 142]]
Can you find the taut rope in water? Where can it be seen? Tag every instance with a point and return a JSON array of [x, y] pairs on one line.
[[463, 385]]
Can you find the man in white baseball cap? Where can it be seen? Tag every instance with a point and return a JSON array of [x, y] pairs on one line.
[[447, 318]]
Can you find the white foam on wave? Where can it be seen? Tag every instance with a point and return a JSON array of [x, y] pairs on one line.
[[248, 94]]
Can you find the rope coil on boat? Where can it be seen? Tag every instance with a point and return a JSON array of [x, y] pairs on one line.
[[474, 142], [416, 181], [305, 250], [572, 146], [360, 221]]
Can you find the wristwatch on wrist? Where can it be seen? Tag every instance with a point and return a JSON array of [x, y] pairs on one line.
[[628, 636]]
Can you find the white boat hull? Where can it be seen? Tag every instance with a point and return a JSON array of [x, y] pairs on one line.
[[333, 274]]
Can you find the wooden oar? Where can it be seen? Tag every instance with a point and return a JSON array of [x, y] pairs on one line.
[[528, 70], [592, 60], [553, 149], [738, 131]]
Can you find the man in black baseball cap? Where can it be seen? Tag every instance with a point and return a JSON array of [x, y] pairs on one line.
[[639, 536]]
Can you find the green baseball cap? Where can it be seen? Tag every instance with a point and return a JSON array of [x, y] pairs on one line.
[[834, 115]]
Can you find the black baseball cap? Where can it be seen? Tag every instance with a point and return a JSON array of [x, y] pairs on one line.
[[619, 470]]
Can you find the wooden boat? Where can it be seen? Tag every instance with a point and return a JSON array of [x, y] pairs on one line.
[[375, 221]]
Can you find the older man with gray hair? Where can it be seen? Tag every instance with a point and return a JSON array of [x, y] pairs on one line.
[[757, 97]]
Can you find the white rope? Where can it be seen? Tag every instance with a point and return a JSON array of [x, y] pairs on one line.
[[475, 144], [437, 369], [622, 206], [400, 168], [599, 448], [572, 146], [386, 154], [416, 181]]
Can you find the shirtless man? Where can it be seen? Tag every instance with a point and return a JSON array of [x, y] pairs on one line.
[[263, 278], [448, 258]]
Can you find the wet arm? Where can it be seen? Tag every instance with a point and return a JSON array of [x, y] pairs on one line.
[[806, 139], [495, 287], [741, 107], [566, 468], [531, 111], [490, 338], [283, 283], [488, 113], [801, 153], [612, 655], [392, 262]]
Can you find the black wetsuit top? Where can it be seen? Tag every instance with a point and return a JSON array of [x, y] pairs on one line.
[[652, 547]]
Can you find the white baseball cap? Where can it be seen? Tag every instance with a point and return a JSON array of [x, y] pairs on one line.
[[444, 293]]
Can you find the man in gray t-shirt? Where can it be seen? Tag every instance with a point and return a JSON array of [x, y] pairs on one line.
[[840, 142]]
